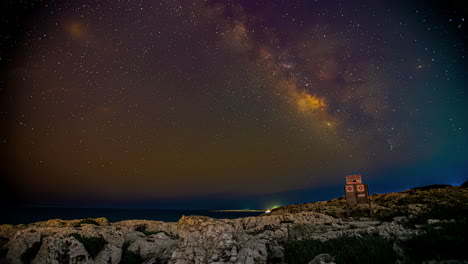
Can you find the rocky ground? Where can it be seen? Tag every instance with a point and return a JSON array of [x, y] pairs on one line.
[[262, 239]]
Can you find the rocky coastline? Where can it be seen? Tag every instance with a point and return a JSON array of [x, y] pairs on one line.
[[399, 219]]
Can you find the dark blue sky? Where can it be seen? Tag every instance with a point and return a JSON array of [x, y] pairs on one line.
[[228, 104]]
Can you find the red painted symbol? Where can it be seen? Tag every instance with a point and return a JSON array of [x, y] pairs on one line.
[[349, 189], [360, 188]]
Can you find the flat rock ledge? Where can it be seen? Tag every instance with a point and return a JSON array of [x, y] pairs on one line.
[[200, 239], [194, 239]]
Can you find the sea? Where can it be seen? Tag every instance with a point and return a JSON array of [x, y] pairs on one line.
[[17, 216]]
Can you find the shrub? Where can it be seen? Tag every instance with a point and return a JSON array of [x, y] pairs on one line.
[[456, 211], [299, 231], [465, 184], [366, 249], [442, 241], [140, 228], [388, 215], [93, 245], [29, 254], [149, 233], [430, 187], [86, 221], [130, 257]]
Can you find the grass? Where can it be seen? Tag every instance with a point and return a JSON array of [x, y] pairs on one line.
[[93, 245], [30, 254], [130, 257], [366, 249], [441, 241], [86, 221]]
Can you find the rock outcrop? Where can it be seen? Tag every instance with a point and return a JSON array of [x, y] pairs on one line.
[[200, 239], [388, 205], [194, 239]]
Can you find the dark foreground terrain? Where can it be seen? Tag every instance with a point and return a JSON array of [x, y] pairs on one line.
[[420, 225]]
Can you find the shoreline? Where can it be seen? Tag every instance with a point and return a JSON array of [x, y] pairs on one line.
[[406, 225]]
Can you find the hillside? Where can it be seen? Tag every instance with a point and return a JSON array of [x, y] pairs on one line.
[[388, 205]]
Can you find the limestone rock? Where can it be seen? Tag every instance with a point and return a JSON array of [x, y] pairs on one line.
[[323, 258], [200, 239]]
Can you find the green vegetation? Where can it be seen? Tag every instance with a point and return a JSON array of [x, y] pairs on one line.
[[298, 231], [441, 201], [149, 233], [443, 211], [430, 187], [130, 257], [441, 241], [29, 254], [366, 249], [86, 221], [93, 245], [388, 215]]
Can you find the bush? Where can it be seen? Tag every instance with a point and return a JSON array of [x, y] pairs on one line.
[[388, 215], [366, 249], [130, 257], [93, 245], [465, 184], [456, 211], [140, 228], [86, 221], [30, 254], [430, 187], [442, 241], [149, 233]]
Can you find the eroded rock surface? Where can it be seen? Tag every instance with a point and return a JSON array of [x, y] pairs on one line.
[[200, 239]]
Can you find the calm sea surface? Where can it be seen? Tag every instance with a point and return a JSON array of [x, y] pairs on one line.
[[31, 215]]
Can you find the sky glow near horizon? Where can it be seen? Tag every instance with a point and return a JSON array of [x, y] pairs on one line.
[[219, 102]]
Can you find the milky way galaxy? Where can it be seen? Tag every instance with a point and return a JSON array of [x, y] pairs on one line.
[[249, 102]]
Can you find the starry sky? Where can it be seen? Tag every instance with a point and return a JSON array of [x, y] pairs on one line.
[[228, 104]]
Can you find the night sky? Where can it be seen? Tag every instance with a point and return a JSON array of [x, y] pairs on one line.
[[228, 104]]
